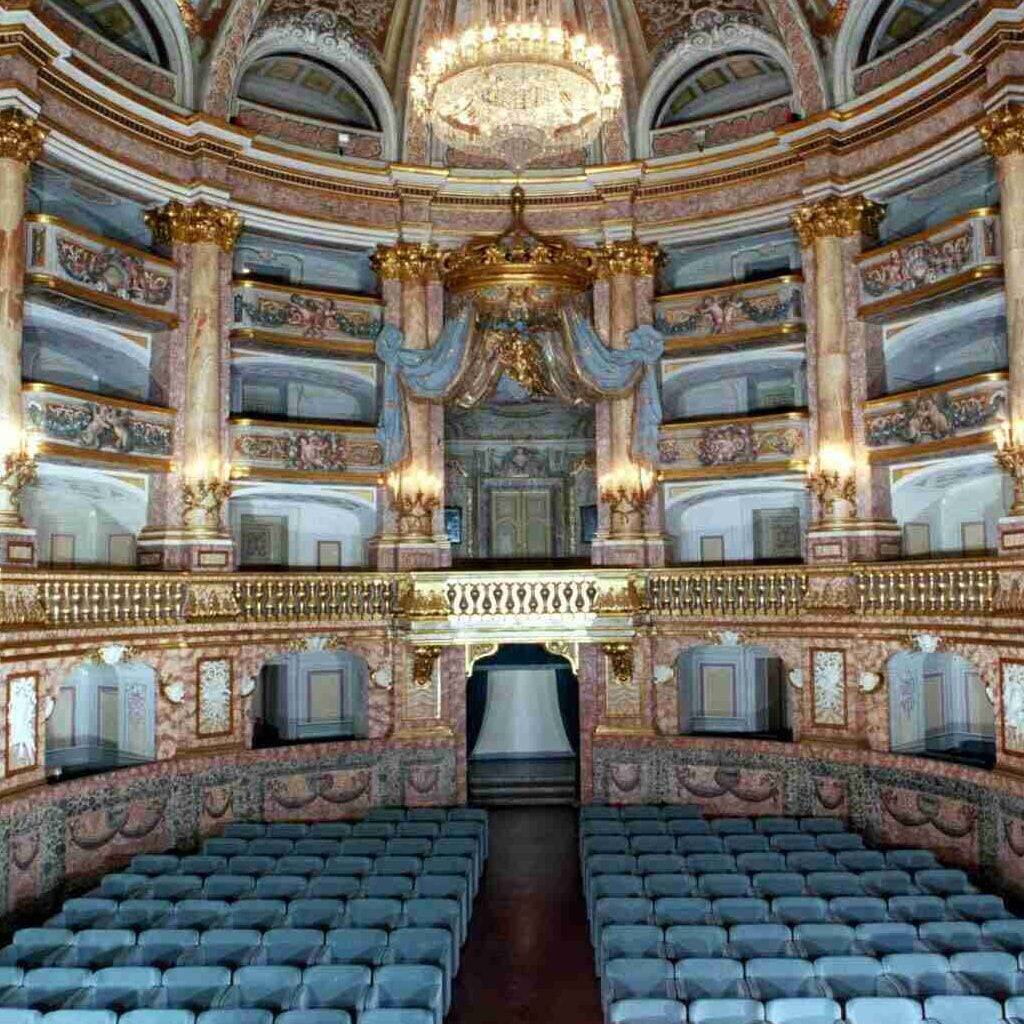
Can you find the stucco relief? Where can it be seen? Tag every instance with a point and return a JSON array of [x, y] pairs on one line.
[[1013, 705], [828, 673], [213, 714], [22, 722]]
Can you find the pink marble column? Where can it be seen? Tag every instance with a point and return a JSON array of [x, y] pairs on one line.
[[851, 521], [186, 529], [21, 141]]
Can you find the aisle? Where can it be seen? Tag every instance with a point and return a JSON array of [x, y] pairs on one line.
[[528, 959]]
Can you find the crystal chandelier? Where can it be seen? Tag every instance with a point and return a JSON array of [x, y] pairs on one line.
[[516, 84]]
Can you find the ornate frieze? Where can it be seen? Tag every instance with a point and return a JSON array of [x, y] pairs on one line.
[[98, 424], [406, 261], [21, 137], [958, 409], [756, 309], [828, 677], [304, 449], [194, 223], [1003, 130], [304, 313], [837, 217], [710, 445]]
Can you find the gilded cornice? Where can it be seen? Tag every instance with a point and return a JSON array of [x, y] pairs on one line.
[[195, 223], [1003, 131], [21, 137], [837, 217], [406, 261], [630, 258]]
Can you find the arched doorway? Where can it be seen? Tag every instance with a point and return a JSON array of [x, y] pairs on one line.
[[522, 728]]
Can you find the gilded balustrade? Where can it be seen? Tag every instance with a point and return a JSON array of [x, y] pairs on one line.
[[70, 600]]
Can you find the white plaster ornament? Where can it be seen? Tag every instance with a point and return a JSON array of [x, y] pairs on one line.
[[796, 678], [869, 682]]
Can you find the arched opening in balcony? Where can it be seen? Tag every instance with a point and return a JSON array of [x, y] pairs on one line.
[[938, 707], [522, 727], [104, 717], [732, 689], [310, 696]]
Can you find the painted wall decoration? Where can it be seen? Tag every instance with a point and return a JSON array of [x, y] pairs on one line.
[[935, 417], [723, 130], [1013, 705], [828, 672], [98, 426], [311, 450], [732, 310], [114, 272], [213, 703], [309, 315], [733, 443], [22, 751]]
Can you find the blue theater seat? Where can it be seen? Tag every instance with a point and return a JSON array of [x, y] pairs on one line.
[[726, 1011], [428, 946], [294, 947], [759, 940], [123, 988], [710, 978], [267, 987], [636, 978], [781, 978], [235, 1016], [36, 947], [884, 937], [155, 1016], [961, 1009], [682, 910], [883, 1010], [360, 946], [794, 910], [682, 941], [336, 986], [139, 915], [632, 941], [647, 1011], [817, 940], [314, 1017], [330, 830], [51, 988], [803, 1011], [165, 947], [392, 1016], [195, 988], [987, 973], [917, 975], [315, 913], [846, 977]]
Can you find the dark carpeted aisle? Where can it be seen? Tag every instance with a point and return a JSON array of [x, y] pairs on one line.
[[528, 958]]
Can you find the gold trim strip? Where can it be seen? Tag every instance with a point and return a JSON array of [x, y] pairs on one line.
[[670, 297], [746, 469], [351, 347], [797, 415], [298, 289], [41, 387], [89, 296], [246, 472], [982, 439], [363, 429], [51, 219], [141, 463], [675, 344], [962, 383], [908, 300]]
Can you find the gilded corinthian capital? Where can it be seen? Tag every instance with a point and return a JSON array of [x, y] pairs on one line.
[[837, 217], [631, 258], [198, 222], [21, 138], [1003, 131], [406, 261]]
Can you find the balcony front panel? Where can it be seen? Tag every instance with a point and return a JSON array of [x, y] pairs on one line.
[[269, 448], [731, 314], [746, 445], [958, 258], [70, 422], [306, 318], [72, 262], [949, 416]]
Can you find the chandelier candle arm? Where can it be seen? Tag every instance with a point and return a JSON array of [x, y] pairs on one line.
[[416, 495], [1010, 458]]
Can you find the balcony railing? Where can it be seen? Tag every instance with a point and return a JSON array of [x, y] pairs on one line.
[[959, 257], [726, 592], [108, 429], [950, 415], [265, 447], [129, 283], [306, 317], [728, 446], [731, 314]]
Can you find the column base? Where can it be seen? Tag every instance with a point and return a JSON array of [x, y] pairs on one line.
[[644, 551], [185, 551], [18, 549], [401, 554], [1010, 530], [853, 540]]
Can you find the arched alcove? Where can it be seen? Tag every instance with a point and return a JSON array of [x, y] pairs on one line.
[[938, 707], [104, 717], [309, 696], [732, 688]]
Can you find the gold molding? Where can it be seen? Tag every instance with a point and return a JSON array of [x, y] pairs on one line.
[[410, 262], [620, 655], [746, 469], [91, 296], [837, 217], [141, 463], [194, 224], [908, 300], [21, 136], [245, 471], [300, 289], [424, 658], [669, 298], [680, 344], [630, 258], [336, 346], [796, 416], [326, 425], [981, 439], [33, 387], [1002, 131]]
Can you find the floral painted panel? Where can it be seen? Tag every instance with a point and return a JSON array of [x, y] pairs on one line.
[[1013, 706], [308, 315], [98, 426], [729, 444], [306, 450], [936, 416], [114, 272], [22, 723], [829, 676], [731, 311], [213, 703]]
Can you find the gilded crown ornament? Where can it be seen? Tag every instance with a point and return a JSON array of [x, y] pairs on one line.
[[630, 258], [1002, 131], [193, 223], [406, 261], [621, 657], [837, 217], [21, 137]]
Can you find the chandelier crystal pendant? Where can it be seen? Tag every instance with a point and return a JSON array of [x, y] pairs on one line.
[[517, 85]]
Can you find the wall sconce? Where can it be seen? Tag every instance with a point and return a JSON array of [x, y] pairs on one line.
[[17, 471], [830, 477], [205, 487], [416, 495], [1010, 456], [626, 490]]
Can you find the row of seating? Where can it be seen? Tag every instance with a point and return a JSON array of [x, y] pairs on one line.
[[228, 1016], [749, 863], [277, 988], [869, 1010], [700, 842], [676, 812]]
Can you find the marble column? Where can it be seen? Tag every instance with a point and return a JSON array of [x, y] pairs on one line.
[[186, 528], [630, 523], [1003, 134], [411, 521], [850, 521], [21, 141]]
